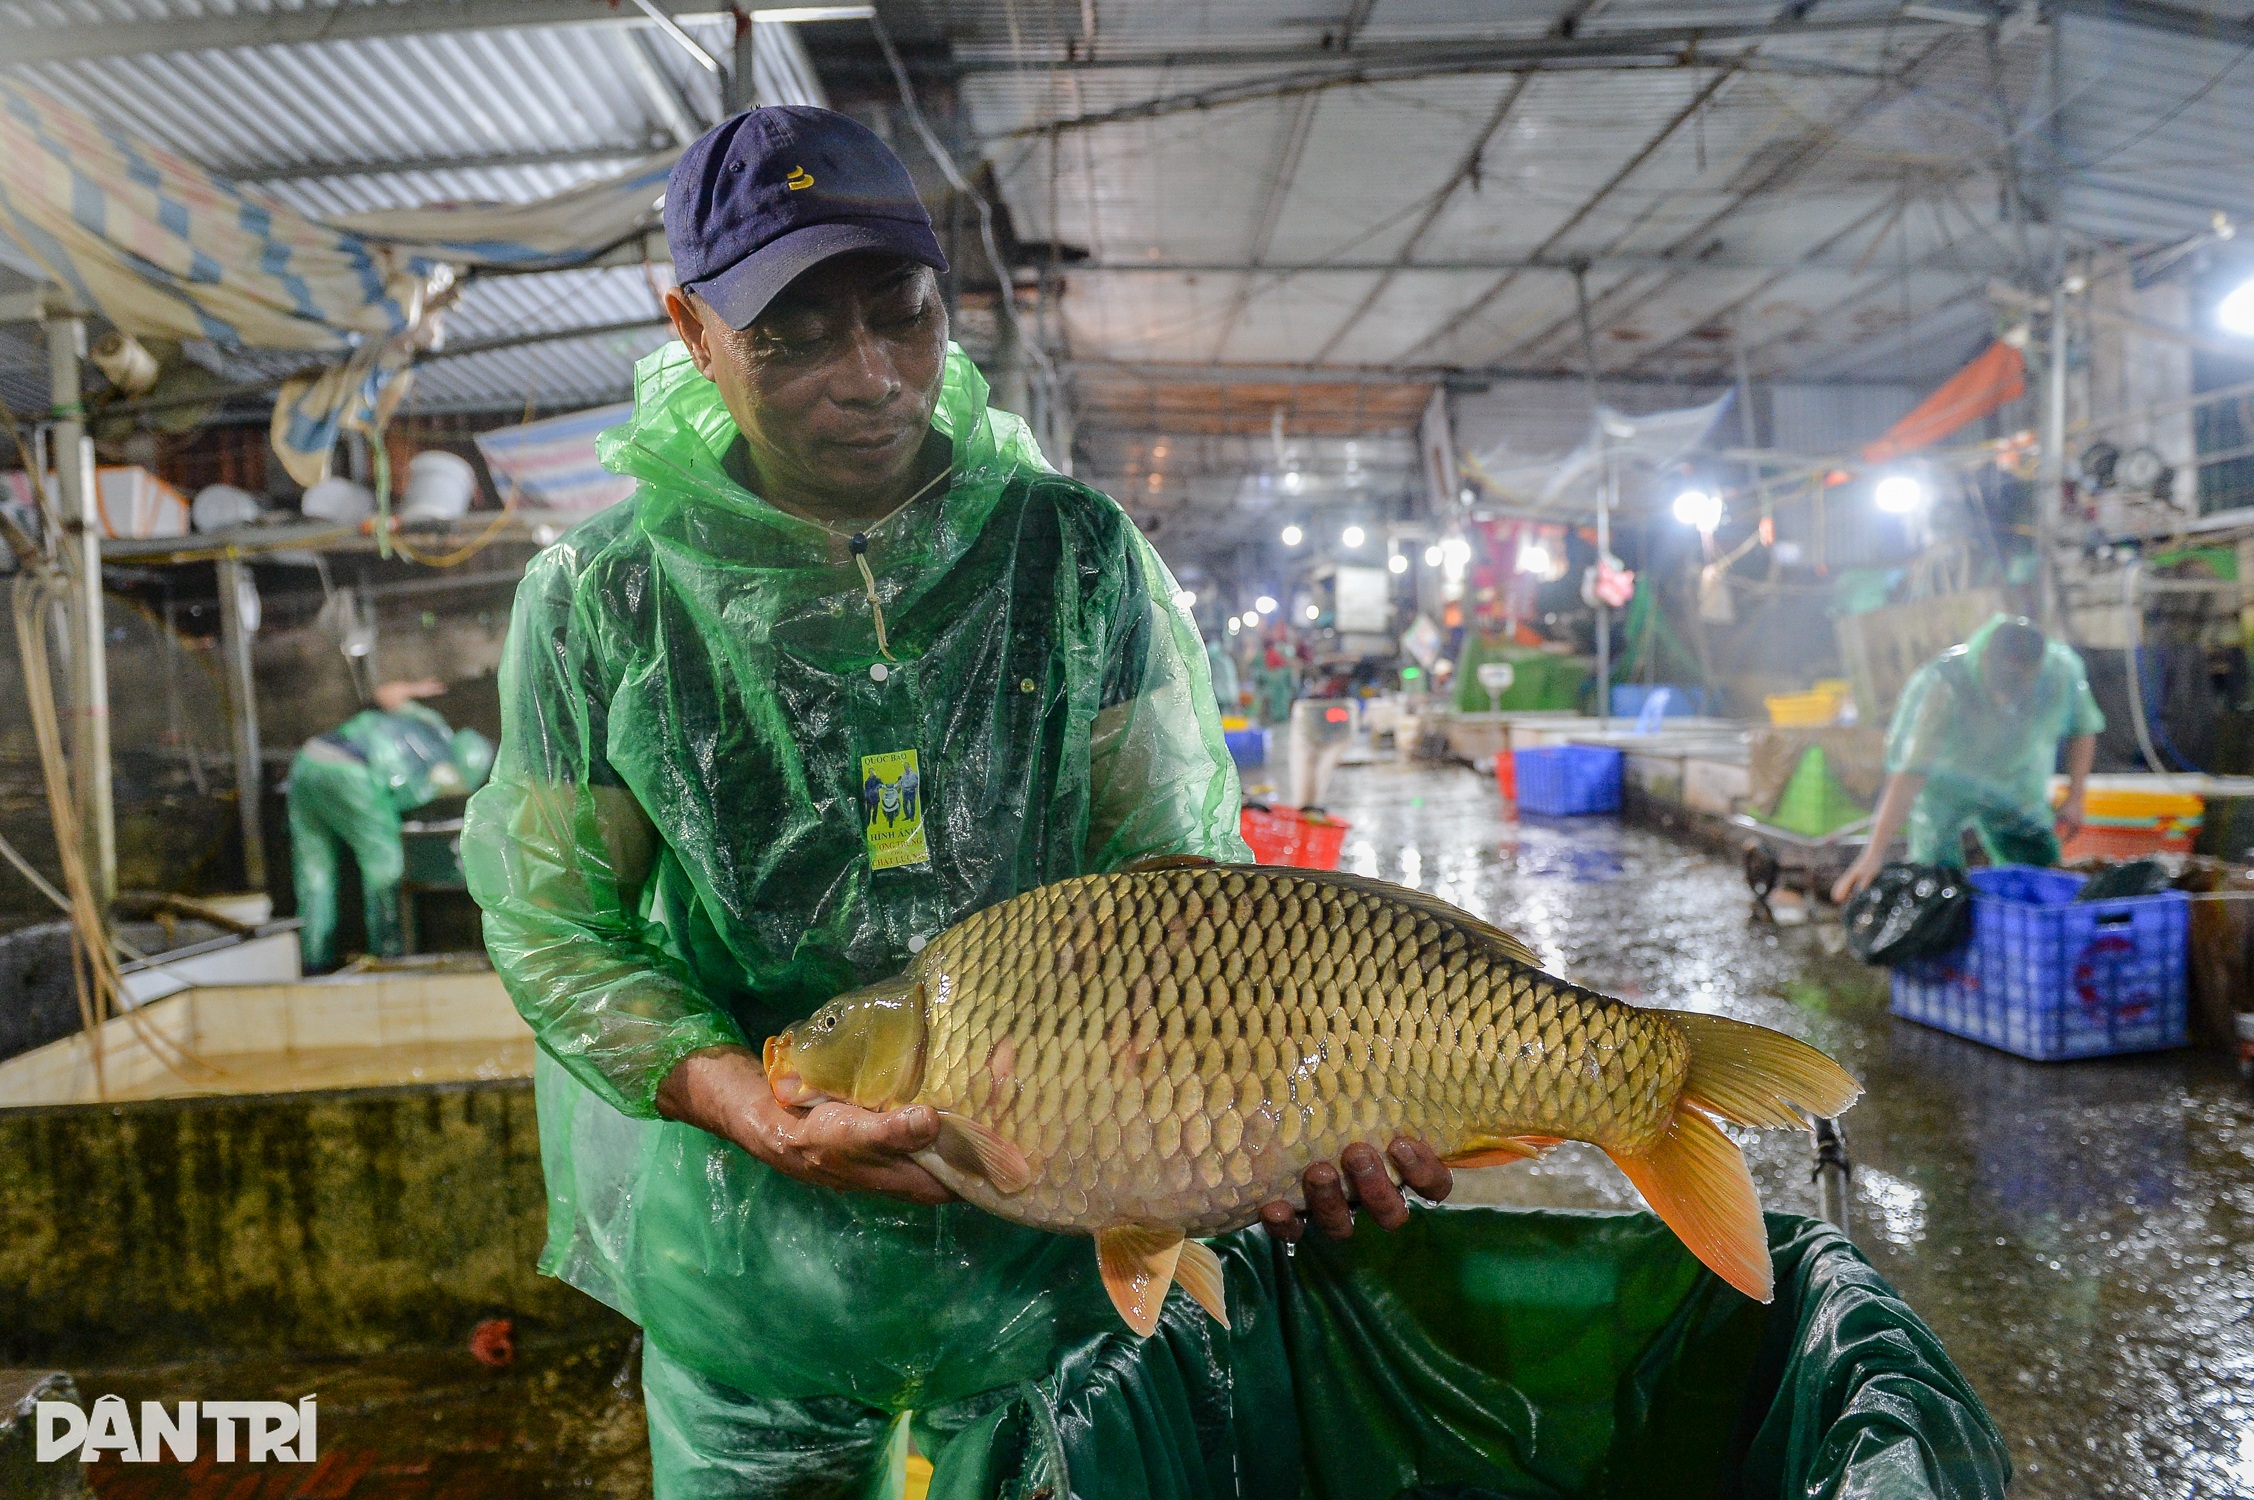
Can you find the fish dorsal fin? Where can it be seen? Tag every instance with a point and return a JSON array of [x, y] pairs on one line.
[[1167, 862], [1138, 1266], [1504, 943], [980, 1151]]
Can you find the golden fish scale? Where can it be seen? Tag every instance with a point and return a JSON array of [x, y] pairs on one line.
[[1175, 1047]]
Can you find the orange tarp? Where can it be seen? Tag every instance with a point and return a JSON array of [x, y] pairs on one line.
[[1998, 376]]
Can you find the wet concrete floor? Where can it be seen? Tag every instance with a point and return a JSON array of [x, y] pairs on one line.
[[2081, 1235]]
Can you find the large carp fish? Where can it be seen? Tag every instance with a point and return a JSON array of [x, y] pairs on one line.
[[1151, 1056]]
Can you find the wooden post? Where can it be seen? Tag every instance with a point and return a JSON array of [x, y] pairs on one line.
[[82, 516]]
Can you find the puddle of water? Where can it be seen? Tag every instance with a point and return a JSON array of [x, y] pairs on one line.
[[2081, 1235]]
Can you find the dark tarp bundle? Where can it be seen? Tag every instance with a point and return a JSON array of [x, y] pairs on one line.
[[1486, 1352], [1909, 911]]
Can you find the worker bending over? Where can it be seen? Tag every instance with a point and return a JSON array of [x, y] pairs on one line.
[[349, 788], [842, 574], [1973, 745]]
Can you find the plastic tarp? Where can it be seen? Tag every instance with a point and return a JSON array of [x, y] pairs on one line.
[[1994, 379], [1485, 1352], [552, 463], [166, 249], [1570, 483]]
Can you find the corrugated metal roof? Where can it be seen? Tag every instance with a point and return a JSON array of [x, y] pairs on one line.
[[1830, 203], [2153, 131], [347, 126]]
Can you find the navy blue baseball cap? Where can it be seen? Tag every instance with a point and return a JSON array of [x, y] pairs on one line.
[[766, 194]]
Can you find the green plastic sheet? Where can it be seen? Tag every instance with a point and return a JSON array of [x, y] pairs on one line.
[[1987, 762], [699, 829], [1484, 1352]]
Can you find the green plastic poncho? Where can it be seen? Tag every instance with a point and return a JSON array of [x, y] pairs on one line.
[[1483, 1353], [348, 789], [718, 804], [1987, 763]]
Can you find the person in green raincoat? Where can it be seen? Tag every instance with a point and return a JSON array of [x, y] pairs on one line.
[[1973, 745], [1223, 666], [840, 570], [348, 790]]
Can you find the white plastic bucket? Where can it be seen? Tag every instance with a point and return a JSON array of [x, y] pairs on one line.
[[440, 486], [339, 500], [221, 507]]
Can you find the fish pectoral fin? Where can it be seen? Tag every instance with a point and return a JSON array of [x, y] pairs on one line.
[[1138, 1266], [1503, 1151], [968, 1146], [1199, 1272]]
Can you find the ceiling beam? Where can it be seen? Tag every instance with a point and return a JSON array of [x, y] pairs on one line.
[[1467, 170], [1285, 85], [1729, 311], [1549, 46], [1284, 176], [1589, 206], [1484, 265], [319, 171], [2175, 20], [1810, 150], [327, 23]]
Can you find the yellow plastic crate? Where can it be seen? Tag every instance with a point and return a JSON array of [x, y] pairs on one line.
[[1235, 722], [2129, 807], [1806, 710]]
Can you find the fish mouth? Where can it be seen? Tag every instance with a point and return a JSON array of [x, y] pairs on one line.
[[789, 1089]]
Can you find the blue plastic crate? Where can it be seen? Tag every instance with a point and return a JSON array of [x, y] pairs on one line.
[[1247, 747], [1563, 781], [2049, 978], [1628, 699]]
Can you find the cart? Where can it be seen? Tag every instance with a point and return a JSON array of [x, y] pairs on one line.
[[1776, 858]]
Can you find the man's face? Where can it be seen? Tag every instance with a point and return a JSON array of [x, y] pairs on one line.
[[835, 384], [2008, 681]]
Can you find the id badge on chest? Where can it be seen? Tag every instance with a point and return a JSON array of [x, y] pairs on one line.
[[892, 810]]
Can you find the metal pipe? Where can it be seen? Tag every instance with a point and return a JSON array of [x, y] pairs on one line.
[[2050, 504], [1834, 1170], [1604, 498], [237, 624], [90, 690]]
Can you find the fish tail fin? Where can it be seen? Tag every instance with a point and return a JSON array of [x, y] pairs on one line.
[[1694, 1176], [1750, 1075]]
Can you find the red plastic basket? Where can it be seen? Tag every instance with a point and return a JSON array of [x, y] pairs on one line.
[[1280, 836], [2092, 841], [1506, 776]]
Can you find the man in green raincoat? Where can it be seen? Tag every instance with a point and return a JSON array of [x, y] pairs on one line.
[[1973, 745], [852, 663], [348, 790]]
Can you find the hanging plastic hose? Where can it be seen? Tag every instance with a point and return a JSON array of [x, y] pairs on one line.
[[94, 971], [2132, 605]]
